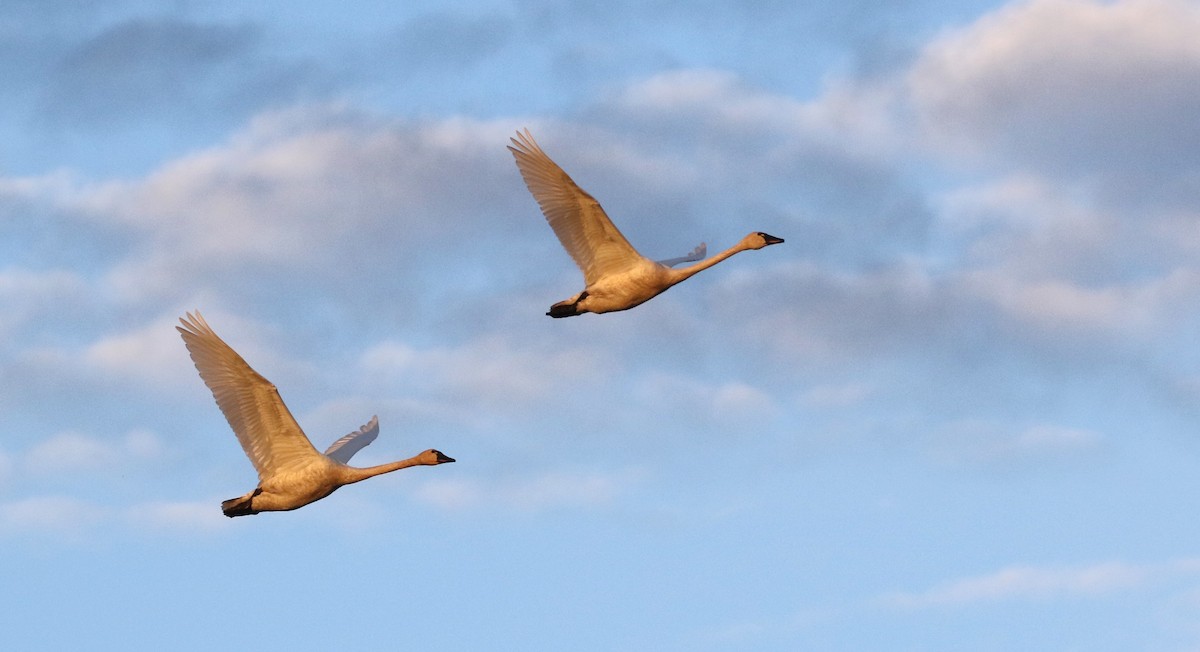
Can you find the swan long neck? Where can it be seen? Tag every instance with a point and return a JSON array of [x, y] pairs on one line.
[[355, 474], [679, 274]]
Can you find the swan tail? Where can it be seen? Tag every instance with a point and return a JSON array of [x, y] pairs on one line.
[[240, 506]]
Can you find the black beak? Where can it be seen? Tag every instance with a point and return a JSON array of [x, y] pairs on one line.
[[771, 239], [442, 458]]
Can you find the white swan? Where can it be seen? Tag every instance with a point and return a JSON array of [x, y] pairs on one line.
[[291, 473], [615, 275]]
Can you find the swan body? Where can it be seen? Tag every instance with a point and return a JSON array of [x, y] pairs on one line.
[[616, 277], [291, 473]]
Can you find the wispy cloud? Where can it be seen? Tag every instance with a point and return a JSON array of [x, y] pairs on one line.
[[72, 452], [322, 188], [1065, 306], [1043, 583], [833, 396], [1046, 84], [690, 401], [177, 517], [163, 69], [50, 514], [489, 372], [152, 355], [977, 441], [77, 518], [540, 492], [31, 295]]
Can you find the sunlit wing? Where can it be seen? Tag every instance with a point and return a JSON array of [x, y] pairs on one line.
[[698, 253], [345, 448], [576, 217], [265, 428]]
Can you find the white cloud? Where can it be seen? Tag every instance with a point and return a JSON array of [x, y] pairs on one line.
[[1043, 583], [326, 196], [740, 398], [124, 367], [68, 452], [152, 354], [1020, 202], [1055, 265], [71, 452], [535, 493], [184, 517], [72, 516], [977, 441], [1057, 303], [143, 444], [28, 296], [812, 312], [1026, 582], [306, 189], [689, 401], [718, 103], [836, 395], [710, 150], [1046, 437], [854, 117], [1068, 86], [59, 185], [491, 371], [1132, 308], [323, 181], [50, 514]]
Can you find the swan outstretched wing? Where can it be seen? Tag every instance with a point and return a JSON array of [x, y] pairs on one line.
[[345, 448], [698, 253], [576, 217], [265, 428]]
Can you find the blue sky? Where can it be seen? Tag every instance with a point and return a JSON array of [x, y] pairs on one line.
[[956, 410]]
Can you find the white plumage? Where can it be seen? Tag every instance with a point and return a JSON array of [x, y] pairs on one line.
[[345, 448], [615, 275], [291, 473]]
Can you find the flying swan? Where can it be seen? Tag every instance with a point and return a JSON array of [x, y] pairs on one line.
[[616, 277], [291, 473]]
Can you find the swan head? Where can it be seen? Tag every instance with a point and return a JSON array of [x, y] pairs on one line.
[[433, 457], [758, 240]]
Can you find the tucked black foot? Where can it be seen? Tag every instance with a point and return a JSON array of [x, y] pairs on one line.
[[564, 309], [240, 506]]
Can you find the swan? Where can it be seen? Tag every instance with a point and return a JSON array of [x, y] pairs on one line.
[[616, 277], [291, 473]]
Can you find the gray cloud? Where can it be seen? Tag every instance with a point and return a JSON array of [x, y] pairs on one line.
[[144, 70], [167, 80], [429, 225], [446, 41], [733, 156], [1072, 89], [338, 197]]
